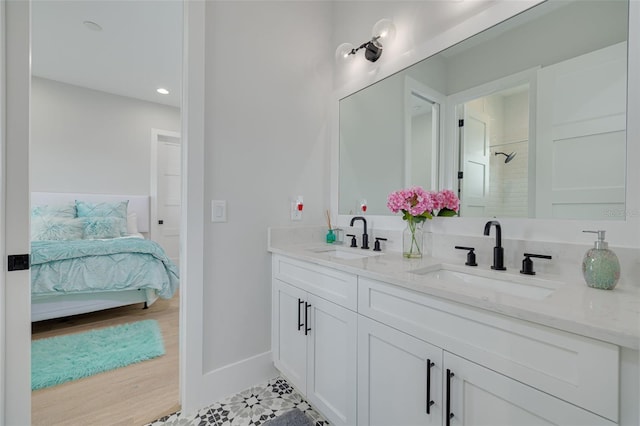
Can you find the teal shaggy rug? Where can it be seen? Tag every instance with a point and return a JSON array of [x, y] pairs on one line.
[[61, 359]]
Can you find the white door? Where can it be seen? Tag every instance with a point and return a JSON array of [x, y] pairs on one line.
[[331, 360], [290, 318], [16, 348], [581, 148], [398, 377], [165, 192], [479, 396], [475, 156], [422, 123]]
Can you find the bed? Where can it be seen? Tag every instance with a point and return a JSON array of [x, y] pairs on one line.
[[85, 259]]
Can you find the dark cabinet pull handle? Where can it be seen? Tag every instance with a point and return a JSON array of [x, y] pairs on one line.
[[449, 413], [306, 318], [300, 302], [161, 222], [429, 401]]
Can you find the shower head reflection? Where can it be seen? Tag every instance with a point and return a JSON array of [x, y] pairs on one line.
[[509, 156]]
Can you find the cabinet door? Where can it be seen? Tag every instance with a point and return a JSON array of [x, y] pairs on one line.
[[393, 375], [331, 360], [479, 396], [289, 343]]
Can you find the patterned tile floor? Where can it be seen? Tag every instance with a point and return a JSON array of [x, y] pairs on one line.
[[253, 406]]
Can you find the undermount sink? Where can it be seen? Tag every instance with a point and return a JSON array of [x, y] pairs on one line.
[[346, 253], [514, 285]]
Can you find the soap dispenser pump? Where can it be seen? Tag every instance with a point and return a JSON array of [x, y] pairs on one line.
[[600, 266]]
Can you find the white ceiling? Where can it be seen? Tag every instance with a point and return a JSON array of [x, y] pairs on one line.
[[138, 50]]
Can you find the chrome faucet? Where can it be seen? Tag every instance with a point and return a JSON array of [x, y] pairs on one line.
[[498, 251], [365, 236]]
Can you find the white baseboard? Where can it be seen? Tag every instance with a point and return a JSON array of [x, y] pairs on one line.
[[233, 378]]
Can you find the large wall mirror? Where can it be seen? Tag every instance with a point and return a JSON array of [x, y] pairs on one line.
[[525, 119]]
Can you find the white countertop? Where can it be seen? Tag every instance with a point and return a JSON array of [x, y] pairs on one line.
[[609, 315]]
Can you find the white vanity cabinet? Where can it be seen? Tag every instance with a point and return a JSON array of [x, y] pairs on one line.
[[314, 338], [505, 371], [367, 352], [406, 381]]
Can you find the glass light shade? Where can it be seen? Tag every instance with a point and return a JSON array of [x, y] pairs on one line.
[[343, 52], [386, 30]]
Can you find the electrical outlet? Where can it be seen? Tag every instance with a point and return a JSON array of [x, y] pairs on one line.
[[296, 208], [296, 212]]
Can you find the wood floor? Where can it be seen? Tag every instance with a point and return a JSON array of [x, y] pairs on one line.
[[132, 395]]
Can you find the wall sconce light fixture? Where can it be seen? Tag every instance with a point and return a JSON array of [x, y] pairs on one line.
[[384, 31]]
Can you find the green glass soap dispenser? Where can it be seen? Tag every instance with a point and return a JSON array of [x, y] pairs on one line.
[[600, 266]]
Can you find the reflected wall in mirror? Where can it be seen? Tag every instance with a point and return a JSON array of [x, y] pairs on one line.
[[548, 85], [389, 137], [494, 154]]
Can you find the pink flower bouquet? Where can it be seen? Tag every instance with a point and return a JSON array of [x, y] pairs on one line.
[[418, 205]]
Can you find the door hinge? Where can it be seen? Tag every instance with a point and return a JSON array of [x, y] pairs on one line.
[[460, 123], [460, 174], [18, 262]]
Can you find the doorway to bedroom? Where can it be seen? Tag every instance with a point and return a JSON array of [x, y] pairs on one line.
[[98, 68]]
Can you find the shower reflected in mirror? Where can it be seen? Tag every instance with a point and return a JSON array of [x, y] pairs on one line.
[[509, 156]]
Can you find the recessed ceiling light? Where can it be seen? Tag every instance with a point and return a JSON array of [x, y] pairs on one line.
[[92, 26], [162, 91]]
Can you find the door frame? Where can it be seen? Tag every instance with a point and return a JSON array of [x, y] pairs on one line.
[[16, 405], [3, 251], [156, 134], [192, 375], [450, 159], [15, 203]]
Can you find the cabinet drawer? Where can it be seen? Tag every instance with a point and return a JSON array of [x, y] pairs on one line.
[[330, 284], [576, 369]]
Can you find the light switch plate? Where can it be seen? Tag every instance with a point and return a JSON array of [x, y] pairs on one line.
[[218, 210]]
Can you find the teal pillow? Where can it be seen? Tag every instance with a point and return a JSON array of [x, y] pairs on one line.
[[52, 228], [117, 210], [61, 210], [103, 227]]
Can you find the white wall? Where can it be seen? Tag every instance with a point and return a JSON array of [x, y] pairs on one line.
[[268, 82], [84, 140]]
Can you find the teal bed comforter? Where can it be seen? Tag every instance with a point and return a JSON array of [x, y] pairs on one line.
[[88, 266]]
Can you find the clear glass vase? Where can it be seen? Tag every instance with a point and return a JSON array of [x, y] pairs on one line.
[[413, 239]]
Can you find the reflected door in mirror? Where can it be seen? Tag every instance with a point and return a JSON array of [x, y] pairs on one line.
[[474, 131], [581, 149]]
